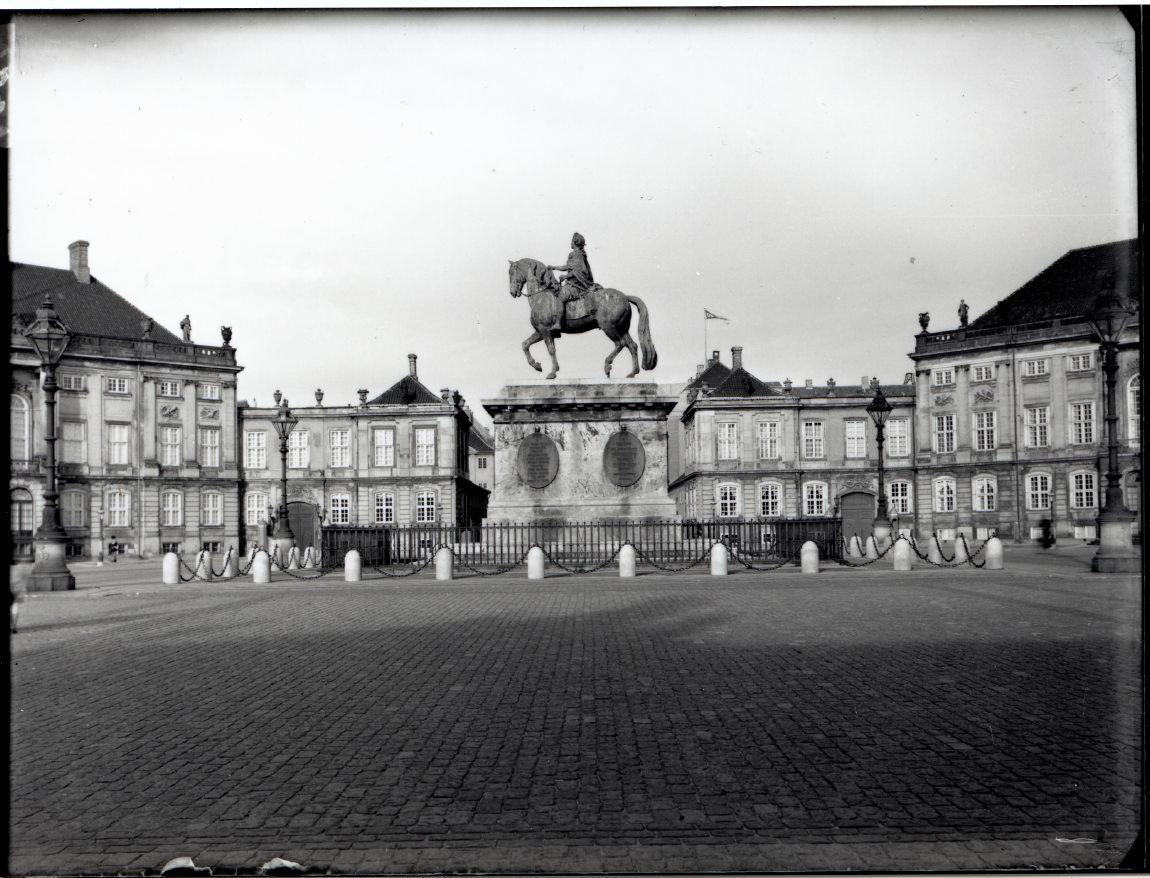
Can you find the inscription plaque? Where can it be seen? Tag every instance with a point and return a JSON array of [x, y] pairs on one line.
[[624, 459], [537, 461]]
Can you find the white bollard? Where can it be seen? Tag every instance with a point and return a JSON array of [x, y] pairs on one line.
[[871, 549], [856, 549], [934, 550], [204, 565], [961, 555], [352, 566], [261, 568], [627, 560], [293, 558], [994, 559], [718, 560], [902, 555], [444, 561], [308, 559], [809, 556], [535, 568], [171, 569], [231, 566]]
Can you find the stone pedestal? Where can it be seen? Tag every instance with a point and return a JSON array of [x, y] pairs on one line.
[[580, 451], [1116, 552], [50, 572]]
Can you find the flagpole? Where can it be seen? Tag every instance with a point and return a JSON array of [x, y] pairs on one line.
[[704, 338]]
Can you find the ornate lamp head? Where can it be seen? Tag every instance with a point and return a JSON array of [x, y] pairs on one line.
[[879, 409], [1110, 313], [48, 334], [285, 421]]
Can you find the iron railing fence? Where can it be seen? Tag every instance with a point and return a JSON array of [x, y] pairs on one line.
[[581, 543]]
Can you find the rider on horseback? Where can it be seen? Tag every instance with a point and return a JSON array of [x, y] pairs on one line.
[[578, 282]]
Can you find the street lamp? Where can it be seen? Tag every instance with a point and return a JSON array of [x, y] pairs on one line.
[[284, 423], [879, 410], [50, 337], [1116, 553]]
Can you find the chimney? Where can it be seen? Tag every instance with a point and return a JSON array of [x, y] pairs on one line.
[[411, 365], [810, 382], [737, 357], [714, 356], [78, 261], [700, 369]]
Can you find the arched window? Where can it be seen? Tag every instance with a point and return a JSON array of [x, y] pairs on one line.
[[20, 441], [384, 508], [1083, 490], [21, 511], [73, 508], [984, 490], [944, 494], [727, 501], [255, 508], [898, 496], [1038, 491], [171, 509], [815, 498], [770, 499], [119, 508], [1134, 409]]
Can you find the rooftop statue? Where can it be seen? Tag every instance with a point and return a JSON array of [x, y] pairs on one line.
[[578, 305]]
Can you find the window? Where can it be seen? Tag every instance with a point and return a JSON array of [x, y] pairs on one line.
[[425, 446], [21, 510], [168, 388], [944, 433], [944, 495], [1031, 368], [210, 546], [425, 507], [728, 437], [815, 498], [1081, 423], [384, 508], [481, 462], [981, 373], [73, 509], [211, 509], [813, 439], [172, 509], [856, 439], [985, 491], [73, 382], [770, 500], [172, 548], [898, 496], [728, 500], [299, 449], [339, 444], [383, 441], [255, 508], [209, 446], [1037, 426], [119, 508], [75, 442], [256, 449], [116, 385], [898, 437], [942, 377], [1083, 490], [1038, 491], [1134, 409], [985, 431], [171, 440], [769, 440], [339, 508], [689, 442], [1080, 362], [19, 427], [117, 444], [210, 391]]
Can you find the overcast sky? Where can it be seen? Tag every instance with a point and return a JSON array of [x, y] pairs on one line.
[[343, 189]]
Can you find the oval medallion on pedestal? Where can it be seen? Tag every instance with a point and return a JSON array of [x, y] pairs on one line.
[[537, 461], [624, 459]]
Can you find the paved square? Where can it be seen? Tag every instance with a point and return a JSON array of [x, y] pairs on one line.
[[853, 719]]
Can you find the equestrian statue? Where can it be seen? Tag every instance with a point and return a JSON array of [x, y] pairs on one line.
[[578, 304]]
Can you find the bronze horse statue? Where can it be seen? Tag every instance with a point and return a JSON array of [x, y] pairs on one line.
[[606, 309]]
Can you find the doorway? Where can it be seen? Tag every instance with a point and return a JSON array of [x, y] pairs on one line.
[[857, 510], [303, 519]]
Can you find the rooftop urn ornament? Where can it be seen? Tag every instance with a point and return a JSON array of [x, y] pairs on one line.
[[146, 326], [226, 334], [186, 327], [963, 313], [318, 396], [362, 395], [277, 396], [924, 319]]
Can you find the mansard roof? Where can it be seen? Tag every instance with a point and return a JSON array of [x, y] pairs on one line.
[[86, 309], [714, 375], [406, 391], [479, 442], [1068, 287], [739, 382]]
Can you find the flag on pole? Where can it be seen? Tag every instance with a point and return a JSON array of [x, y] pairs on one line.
[[707, 315]]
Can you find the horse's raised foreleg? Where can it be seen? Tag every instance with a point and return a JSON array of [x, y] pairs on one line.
[[527, 342], [550, 342], [634, 349], [611, 356]]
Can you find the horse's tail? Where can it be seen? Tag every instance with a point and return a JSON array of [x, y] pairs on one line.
[[646, 346]]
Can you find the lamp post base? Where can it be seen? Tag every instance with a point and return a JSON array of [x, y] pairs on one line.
[[882, 531], [1116, 552], [50, 572]]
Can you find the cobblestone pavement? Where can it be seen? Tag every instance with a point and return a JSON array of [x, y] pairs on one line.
[[851, 719]]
